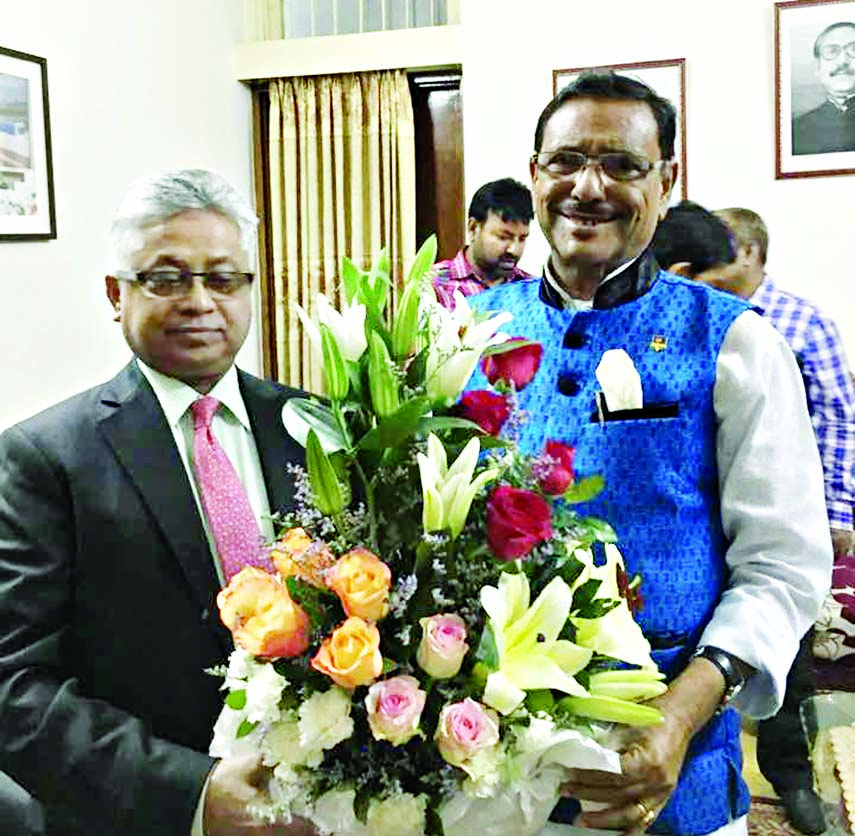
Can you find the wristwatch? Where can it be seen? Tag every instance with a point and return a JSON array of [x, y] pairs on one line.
[[735, 672]]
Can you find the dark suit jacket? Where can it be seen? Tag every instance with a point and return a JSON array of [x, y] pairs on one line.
[[824, 129], [107, 608]]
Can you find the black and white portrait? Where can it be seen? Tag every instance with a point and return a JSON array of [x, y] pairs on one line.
[[816, 87]]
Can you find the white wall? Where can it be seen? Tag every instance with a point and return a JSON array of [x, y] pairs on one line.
[[730, 121], [140, 86], [134, 87]]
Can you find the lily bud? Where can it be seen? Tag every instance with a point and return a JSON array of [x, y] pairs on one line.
[[636, 685], [325, 486], [404, 331], [613, 710], [335, 371], [382, 381]]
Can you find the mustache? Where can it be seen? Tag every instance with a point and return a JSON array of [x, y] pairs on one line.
[[844, 69]]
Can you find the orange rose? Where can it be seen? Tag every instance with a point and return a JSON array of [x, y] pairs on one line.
[[263, 618], [351, 655], [361, 580], [296, 554]]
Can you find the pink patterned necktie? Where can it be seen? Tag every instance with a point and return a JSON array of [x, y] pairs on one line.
[[223, 495]]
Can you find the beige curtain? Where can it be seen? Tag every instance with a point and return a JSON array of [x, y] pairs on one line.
[[342, 183]]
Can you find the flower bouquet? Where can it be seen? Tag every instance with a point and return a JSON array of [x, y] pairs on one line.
[[441, 635]]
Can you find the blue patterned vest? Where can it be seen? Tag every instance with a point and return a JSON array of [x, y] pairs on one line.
[[661, 480]]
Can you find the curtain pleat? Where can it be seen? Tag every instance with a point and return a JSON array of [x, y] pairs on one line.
[[342, 183]]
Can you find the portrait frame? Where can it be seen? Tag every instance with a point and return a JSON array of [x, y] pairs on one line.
[[668, 78], [802, 148], [27, 211]]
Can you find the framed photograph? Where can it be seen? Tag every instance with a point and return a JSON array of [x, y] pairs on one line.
[[668, 79], [814, 88], [26, 176]]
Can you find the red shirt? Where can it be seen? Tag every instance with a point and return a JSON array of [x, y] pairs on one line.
[[458, 274]]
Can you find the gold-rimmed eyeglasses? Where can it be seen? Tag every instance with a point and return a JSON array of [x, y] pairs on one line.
[[616, 165]]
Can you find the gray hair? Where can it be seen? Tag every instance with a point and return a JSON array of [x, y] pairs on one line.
[[158, 197]]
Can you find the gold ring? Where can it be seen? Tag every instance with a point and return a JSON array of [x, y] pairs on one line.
[[647, 815]]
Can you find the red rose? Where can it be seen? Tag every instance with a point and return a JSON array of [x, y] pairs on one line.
[[517, 365], [516, 521], [555, 471], [489, 410]]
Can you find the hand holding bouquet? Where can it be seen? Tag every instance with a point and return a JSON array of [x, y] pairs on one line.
[[444, 635]]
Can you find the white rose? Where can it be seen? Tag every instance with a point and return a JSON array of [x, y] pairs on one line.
[[333, 813], [400, 815], [263, 692], [282, 744], [325, 720]]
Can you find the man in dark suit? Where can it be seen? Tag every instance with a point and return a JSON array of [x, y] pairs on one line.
[[831, 126], [109, 567]]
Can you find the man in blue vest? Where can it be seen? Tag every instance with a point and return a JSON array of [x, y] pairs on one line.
[[714, 484]]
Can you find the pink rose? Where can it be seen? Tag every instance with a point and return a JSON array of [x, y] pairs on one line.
[[517, 520], [443, 645], [394, 708], [464, 729], [555, 470], [517, 366], [489, 410]]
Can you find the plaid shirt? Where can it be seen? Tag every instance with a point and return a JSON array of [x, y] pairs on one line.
[[814, 340], [458, 274]]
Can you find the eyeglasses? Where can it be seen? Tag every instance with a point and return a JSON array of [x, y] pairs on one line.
[[616, 165], [830, 51], [168, 282]]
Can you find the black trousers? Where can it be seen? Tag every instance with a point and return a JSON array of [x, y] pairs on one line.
[[782, 746]]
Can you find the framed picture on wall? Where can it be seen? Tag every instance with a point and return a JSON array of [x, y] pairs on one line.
[[26, 176], [668, 79], [814, 88]]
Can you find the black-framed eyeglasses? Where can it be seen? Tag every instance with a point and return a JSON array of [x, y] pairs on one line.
[[830, 51], [616, 165], [166, 282]]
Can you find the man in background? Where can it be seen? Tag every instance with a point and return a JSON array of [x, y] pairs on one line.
[[731, 545], [499, 218], [115, 538], [694, 242], [831, 126]]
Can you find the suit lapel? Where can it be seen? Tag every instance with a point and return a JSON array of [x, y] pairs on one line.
[[276, 449], [136, 429]]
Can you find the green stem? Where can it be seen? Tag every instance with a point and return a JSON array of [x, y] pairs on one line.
[[369, 502]]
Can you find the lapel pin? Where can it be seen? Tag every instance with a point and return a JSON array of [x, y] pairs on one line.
[[659, 343]]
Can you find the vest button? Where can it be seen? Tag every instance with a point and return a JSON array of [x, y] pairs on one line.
[[573, 339], [568, 385]]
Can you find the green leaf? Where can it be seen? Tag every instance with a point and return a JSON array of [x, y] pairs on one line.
[[396, 428], [488, 652], [425, 259], [598, 529], [541, 700], [322, 475], [237, 699], [501, 348], [584, 490], [584, 594], [448, 422], [300, 415], [244, 729]]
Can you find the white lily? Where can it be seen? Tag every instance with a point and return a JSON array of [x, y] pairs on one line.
[[617, 633], [619, 380], [458, 339], [347, 325], [448, 491], [530, 654]]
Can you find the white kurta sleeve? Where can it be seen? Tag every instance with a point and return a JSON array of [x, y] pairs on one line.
[[772, 509]]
